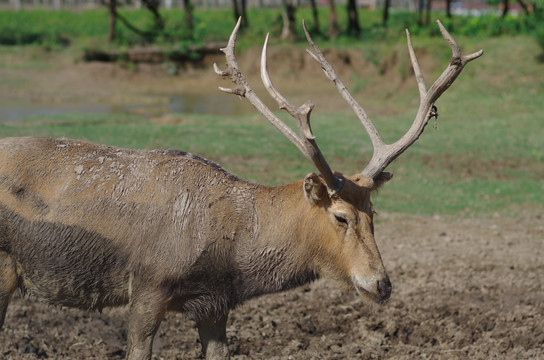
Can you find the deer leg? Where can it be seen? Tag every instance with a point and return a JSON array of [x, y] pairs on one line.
[[213, 336], [147, 310], [9, 282]]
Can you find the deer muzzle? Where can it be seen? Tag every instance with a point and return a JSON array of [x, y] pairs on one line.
[[378, 289]]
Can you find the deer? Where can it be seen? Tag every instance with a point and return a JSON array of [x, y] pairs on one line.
[[92, 226]]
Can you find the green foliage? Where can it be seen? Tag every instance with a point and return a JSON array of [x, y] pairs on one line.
[[59, 28], [491, 25], [42, 26], [539, 35]]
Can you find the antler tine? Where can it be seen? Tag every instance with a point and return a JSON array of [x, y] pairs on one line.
[[384, 154], [455, 48], [243, 89], [317, 55], [383, 157], [302, 116], [417, 70], [307, 144]]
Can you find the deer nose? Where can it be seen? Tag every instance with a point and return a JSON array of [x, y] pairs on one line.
[[384, 289]]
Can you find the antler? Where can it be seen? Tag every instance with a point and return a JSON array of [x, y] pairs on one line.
[[306, 141], [384, 154]]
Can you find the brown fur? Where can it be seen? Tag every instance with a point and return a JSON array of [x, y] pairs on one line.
[[90, 226]]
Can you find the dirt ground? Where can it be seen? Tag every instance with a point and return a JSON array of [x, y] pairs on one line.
[[462, 289], [57, 79]]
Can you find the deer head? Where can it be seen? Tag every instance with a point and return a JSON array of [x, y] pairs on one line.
[[351, 255]]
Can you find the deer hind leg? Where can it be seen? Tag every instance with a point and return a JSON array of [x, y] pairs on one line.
[[213, 336], [9, 282]]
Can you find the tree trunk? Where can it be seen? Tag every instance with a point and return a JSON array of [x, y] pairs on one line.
[[386, 6], [448, 9], [525, 7], [506, 7], [353, 18], [188, 7], [288, 16], [235, 10], [333, 30], [420, 12], [114, 16], [240, 11], [153, 7], [245, 20], [112, 6], [315, 14], [428, 12]]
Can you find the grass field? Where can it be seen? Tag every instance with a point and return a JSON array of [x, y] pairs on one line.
[[485, 158]]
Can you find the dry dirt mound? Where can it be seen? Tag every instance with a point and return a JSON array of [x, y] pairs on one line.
[[295, 74], [462, 289]]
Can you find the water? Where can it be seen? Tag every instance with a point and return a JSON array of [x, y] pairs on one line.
[[221, 104]]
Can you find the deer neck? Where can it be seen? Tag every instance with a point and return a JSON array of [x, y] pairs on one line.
[[278, 256]]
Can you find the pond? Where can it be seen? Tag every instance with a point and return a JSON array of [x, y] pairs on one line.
[[156, 105]]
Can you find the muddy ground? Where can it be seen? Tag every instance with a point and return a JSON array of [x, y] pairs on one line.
[[462, 288]]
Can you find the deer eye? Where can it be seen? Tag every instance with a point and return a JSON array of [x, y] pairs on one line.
[[341, 219]]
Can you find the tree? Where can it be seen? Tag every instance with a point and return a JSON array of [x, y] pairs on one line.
[[114, 15], [239, 8], [505, 7], [424, 12], [188, 7], [448, 8], [428, 10], [530, 7], [353, 18], [386, 6], [112, 12], [421, 5], [525, 7], [288, 15], [112, 7], [333, 28], [315, 14], [153, 7]]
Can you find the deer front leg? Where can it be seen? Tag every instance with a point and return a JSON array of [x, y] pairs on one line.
[[9, 282], [146, 313], [213, 336]]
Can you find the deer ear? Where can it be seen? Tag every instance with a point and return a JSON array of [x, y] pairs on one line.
[[314, 189], [381, 179]]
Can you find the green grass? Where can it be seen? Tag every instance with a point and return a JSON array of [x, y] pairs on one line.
[[486, 157]]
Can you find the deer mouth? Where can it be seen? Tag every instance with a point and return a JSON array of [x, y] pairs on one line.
[[378, 291]]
